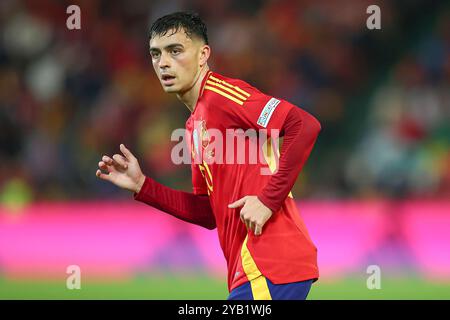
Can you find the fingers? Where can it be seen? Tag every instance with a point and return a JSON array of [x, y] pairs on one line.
[[117, 160], [245, 219], [102, 165], [107, 160], [108, 164], [127, 153], [102, 175], [238, 203], [252, 224], [121, 161], [246, 222], [258, 229]]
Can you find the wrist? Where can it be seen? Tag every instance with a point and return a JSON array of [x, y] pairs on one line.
[[266, 202], [140, 184]]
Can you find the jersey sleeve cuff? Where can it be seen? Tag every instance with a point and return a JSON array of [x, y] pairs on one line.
[[268, 203], [141, 195]]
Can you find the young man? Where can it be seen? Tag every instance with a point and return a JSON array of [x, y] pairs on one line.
[[268, 250]]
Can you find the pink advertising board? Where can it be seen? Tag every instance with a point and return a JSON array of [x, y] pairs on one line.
[[120, 239]]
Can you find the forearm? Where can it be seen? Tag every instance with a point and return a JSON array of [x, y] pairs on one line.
[[300, 133], [188, 207]]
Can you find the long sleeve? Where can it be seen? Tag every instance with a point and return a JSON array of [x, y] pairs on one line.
[[300, 133], [188, 207]]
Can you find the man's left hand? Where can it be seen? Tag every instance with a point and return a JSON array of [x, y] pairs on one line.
[[254, 214]]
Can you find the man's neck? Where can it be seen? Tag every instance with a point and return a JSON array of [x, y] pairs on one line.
[[190, 97]]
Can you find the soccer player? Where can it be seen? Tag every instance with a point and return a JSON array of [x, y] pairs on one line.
[[267, 247]]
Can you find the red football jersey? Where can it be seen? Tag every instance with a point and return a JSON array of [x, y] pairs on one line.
[[284, 251]]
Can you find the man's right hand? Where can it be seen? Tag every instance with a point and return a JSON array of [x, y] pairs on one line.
[[122, 170]]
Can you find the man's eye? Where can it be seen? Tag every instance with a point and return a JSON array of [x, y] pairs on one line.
[[155, 55], [175, 51]]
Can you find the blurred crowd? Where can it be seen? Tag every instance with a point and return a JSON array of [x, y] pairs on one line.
[[67, 97], [405, 149]]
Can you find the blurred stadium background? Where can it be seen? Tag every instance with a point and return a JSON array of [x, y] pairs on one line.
[[375, 191]]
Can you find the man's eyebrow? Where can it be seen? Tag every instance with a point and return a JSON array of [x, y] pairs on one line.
[[170, 46]]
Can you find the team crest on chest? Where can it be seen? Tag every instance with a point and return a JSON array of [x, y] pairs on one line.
[[201, 140]]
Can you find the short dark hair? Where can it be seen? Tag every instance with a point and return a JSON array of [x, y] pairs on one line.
[[188, 21]]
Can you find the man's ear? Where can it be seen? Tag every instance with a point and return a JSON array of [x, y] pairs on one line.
[[205, 52]]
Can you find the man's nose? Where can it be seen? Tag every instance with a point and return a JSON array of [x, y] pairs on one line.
[[164, 61]]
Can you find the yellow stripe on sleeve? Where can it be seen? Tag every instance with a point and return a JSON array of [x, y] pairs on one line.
[[269, 156]]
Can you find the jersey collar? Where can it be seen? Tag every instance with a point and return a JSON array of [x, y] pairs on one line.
[[205, 78], [202, 86]]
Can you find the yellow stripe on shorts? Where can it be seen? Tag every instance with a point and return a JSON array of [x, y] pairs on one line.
[[260, 289]]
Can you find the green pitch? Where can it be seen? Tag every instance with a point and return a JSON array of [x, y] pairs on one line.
[[199, 287]]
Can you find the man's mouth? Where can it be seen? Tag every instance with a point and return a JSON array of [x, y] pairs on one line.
[[167, 79]]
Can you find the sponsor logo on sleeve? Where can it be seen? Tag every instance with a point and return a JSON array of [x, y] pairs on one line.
[[267, 112]]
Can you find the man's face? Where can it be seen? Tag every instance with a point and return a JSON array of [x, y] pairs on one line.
[[176, 59]]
